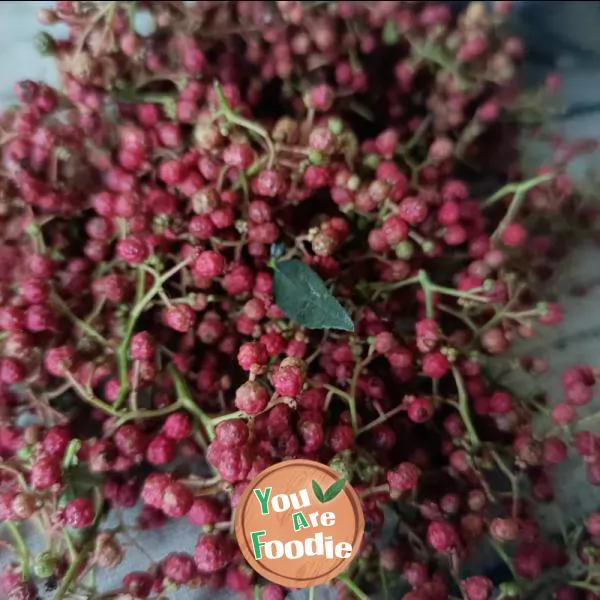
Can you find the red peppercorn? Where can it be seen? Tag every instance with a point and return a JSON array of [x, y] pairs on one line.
[[251, 397], [178, 567], [213, 553], [154, 488], [161, 450], [592, 524], [514, 235], [177, 426], [45, 472], [209, 264], [252, 356], [563, 414], [288, 380], [133, 250], [477, 588], [130, 441], [442, 536], [404, 477], [11, 371], [420, 410], [79, 513], [232, 433], [142, 346], [554, 450], [504, 530], [138, 583], [56, 441], [204, 511], [177, 499], [180, 317], [435, 365], [341, 437]]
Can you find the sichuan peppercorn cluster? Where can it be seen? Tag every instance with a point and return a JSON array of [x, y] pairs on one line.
[[272, 230]]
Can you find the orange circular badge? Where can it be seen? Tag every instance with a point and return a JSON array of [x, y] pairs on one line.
[[299, 524]]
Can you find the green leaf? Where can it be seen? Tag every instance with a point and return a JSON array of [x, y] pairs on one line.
[[318, 491], [390, 34], [303, 297], [335, 489]]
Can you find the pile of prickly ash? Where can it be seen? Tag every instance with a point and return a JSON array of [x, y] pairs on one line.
[[274, 230]]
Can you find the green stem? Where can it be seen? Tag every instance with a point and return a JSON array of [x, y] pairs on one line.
[[90, 398], [78, 322], [71, 574], [150, 414], [21, 547], [583, 585], [458, 293], [71, 453], [234, 118], [505, 558], [311, 593], [136, 312], [463, 407], [512, 478], [238, 414], [352, 587], [381, 419], [427, 291], [184, 397], [350, 401], [513, 188]]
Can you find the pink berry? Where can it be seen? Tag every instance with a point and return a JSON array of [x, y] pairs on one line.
[[180, 317], [251, 397], [579, 394], [161, 450], [213, 553], [404, 477], [79, 513], [477, 588], [138, 583], [232, 433], [420, 410], [12, 318], [56, 441], [209, 264], [321, 98], [500, 403], [11, 371], [288, 380], [435, 365], [554, 450], [252, 356], [133, 250], [154, 488], [514, 235], [563, 414], [177, 426], [177, 499], [45, 472], [204, 511], [592, 524], [504, 530], [442, 536], [130, 441], [178, 567], [142, 346], [341, 437]]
